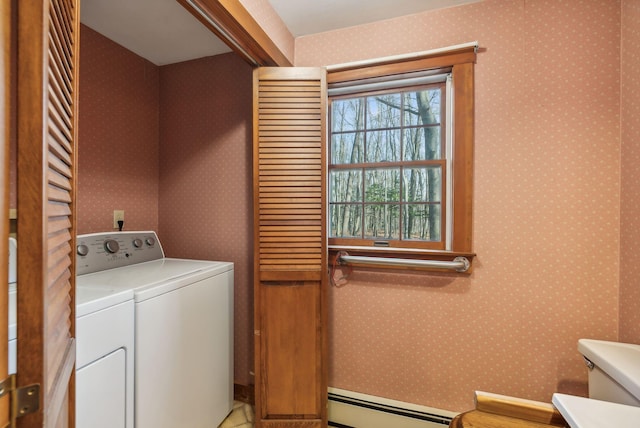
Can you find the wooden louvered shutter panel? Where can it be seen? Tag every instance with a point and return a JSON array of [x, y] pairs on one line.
[[47, 132], [290, 249], [5, 120]]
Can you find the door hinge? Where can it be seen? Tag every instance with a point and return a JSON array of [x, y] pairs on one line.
[[24, 400]]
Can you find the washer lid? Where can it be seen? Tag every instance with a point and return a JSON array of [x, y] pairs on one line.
[[581, 412], [618, 360]]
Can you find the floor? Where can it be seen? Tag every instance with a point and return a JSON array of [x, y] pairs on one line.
[[241, 416]]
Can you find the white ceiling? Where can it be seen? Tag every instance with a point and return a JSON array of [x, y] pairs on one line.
[[304, 17], [163, 32]]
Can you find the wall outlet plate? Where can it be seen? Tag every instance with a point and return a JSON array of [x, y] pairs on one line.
[[118, 215]]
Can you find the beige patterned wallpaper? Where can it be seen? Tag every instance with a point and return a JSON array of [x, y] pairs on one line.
[[630, 206], [118, 130], [556, 211], [546, 219]]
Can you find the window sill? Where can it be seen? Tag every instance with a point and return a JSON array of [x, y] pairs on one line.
[[405, 254]]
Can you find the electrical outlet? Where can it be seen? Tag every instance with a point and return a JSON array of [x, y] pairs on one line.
[[117, 216]]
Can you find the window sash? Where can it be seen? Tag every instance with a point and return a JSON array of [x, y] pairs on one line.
[[399, 239]]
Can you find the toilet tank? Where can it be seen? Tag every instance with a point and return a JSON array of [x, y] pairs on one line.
[[614, 370]]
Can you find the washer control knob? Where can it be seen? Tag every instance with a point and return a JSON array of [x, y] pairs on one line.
[[111, 245], [137, 242], [82, 250], [150, 242]]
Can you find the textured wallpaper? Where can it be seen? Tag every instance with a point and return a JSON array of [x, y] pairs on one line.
[[555, 220], [118, 162], [630, 210], [546, 212]]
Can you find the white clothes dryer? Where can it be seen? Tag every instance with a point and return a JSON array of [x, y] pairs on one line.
[[183, 328], [104, 358], [104, 352]]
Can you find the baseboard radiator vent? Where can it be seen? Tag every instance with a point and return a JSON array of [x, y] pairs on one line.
[[348, 409]]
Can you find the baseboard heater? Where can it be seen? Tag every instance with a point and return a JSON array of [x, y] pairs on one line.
[[348, 409]]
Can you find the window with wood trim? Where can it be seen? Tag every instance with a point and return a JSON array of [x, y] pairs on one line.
[[401, 156]]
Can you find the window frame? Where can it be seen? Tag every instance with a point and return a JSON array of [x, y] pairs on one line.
[[462, 63]]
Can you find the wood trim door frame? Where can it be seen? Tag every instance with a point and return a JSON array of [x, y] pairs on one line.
[[234, 25]]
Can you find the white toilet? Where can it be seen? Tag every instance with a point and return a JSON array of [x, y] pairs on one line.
[[614, 370], [614, 387]]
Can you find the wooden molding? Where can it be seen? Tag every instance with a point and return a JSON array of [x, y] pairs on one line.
[[385, 68], [235, 26]]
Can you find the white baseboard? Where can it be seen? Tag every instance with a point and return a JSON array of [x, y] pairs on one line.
[[348, 409]]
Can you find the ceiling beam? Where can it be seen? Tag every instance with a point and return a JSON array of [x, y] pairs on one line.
[[235, 26]]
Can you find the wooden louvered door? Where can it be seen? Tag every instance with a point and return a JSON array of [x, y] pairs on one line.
[[48, 40], [290, 247], [5, 120]]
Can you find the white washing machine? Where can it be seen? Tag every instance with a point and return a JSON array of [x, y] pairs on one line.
[[183, 326], [104, 352]]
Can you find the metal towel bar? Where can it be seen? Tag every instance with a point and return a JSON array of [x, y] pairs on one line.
[[459, 264]]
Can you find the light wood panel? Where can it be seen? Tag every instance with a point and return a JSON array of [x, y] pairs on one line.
[[290, 247], [534, 411], [290, 355], [501, 411], [48, 41]]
